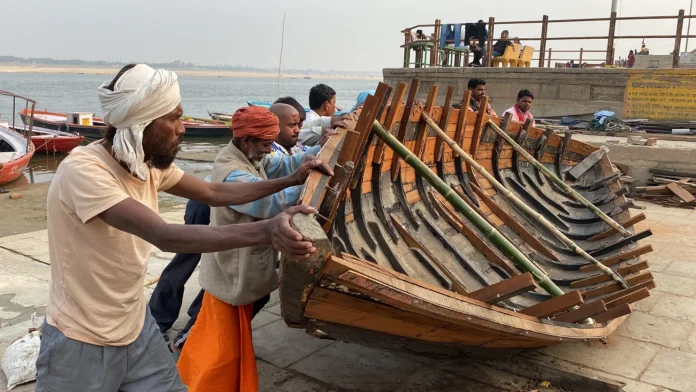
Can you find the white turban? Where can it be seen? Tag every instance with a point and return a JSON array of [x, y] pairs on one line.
[[141, 95]]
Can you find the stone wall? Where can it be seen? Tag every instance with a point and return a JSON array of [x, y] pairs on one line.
[[558, 92], [653, 61]]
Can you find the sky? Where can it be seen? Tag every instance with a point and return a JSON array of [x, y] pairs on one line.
[[354, 35]]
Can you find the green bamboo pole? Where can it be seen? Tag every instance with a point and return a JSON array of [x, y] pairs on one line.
[[520, 204], [489, 231], [578, 197]]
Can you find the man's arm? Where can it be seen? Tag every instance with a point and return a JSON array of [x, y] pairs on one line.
[[224, 194], [135, 218]]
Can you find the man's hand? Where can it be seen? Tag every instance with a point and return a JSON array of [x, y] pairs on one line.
[[326, 133], [309, 163], [339, 121], [285, 239]]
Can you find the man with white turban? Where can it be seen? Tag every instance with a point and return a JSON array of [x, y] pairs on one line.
[[102, 224]]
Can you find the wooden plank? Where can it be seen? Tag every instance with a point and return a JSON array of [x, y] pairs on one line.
[[405, 118], [422, 127], [299, 277], [314, 186], [462, 121], [616, 286], [505, 289], [615, 312], [478, 127], [555, 305], [629, 298], [513, 224], [396, 106], [586, 164], [446, 109], [611, 231], [474, 238], [619, 258], [637, 287], [623, 271], [344, 309], [585, 311], [681, 192]]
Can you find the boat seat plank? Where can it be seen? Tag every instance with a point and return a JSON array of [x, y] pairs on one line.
[[609, 261], [629, 298], [615, 312], [505, 289], [555, 305], [637, 287], [616, 286], [623, 271], [585, 311]]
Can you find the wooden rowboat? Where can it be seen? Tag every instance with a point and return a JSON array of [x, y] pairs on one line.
[[399, 267], [15, 154], [51, 141]]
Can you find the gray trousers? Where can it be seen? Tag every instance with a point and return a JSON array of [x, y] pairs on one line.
[[68, 365]]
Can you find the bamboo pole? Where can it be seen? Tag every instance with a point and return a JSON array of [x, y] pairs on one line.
[[488, 230], [578, 197], [520, 204]]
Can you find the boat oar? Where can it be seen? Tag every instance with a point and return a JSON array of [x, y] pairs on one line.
[[578, 197], [519, 203], [460, 205]]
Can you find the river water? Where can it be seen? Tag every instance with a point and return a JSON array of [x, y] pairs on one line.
[[78, 93]]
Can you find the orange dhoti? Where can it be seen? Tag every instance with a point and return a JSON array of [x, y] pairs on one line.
[[219, 352]]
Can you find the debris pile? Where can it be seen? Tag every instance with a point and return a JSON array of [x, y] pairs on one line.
[[671, 188]]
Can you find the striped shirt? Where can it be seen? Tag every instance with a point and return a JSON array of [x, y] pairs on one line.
[[277, 164]]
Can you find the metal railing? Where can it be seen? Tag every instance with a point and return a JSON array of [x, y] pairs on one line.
[[544, 39]]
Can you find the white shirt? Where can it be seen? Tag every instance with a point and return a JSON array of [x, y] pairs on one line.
[[312, 128]]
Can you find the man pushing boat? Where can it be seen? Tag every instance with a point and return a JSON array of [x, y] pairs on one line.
[[219, 353], [102, 224]]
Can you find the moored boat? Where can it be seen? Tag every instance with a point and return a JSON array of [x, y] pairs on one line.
[[52, 141], [479, 247], [59, 122], [15, 149]]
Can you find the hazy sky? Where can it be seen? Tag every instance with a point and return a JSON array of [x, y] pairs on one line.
[[330, 35]]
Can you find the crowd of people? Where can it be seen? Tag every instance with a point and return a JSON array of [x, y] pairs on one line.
[[100, 334]]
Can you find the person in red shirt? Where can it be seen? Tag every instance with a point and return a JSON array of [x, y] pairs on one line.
[[631, 59]]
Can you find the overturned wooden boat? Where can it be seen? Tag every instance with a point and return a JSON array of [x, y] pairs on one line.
[[430, 261]]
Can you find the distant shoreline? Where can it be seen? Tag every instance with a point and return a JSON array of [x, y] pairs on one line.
[[48, 69]]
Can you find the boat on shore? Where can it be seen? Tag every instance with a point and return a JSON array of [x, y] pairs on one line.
[[59, 122], [476, 248], [15, 149]]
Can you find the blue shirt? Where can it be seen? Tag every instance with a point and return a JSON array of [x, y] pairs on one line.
[[277, 164]]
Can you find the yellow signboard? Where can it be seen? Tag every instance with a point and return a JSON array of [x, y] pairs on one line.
[[661, 94]]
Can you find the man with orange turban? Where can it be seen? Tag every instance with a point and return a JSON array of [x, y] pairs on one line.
[[219, 353]]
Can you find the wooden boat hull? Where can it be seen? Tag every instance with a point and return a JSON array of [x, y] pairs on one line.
[[397, 266]]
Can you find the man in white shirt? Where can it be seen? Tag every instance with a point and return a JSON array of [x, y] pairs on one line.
[[520, 111], [322, 105]]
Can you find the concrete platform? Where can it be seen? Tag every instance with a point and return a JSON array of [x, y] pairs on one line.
[[654, 351]]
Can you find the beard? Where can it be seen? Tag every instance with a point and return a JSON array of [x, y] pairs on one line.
[[256, 158], [162, 159]]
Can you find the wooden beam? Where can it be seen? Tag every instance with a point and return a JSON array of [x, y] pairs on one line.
[[392, 118], [461, 121], [623, 271], [405, 118], [611, 231], [615, 312], [505, 289], [422, 128], [681, 193], [481, 119], [444, 118], [555, 305], [629, 298], [585, 311], [618, 258]]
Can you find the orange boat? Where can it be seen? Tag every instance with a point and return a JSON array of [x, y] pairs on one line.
[[15, 149]]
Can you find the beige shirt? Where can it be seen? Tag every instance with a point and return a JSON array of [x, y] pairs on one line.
[[97, 271]]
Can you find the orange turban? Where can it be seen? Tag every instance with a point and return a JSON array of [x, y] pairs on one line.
[[255, 121]]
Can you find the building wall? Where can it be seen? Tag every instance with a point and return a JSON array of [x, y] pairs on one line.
[[557, 92]]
